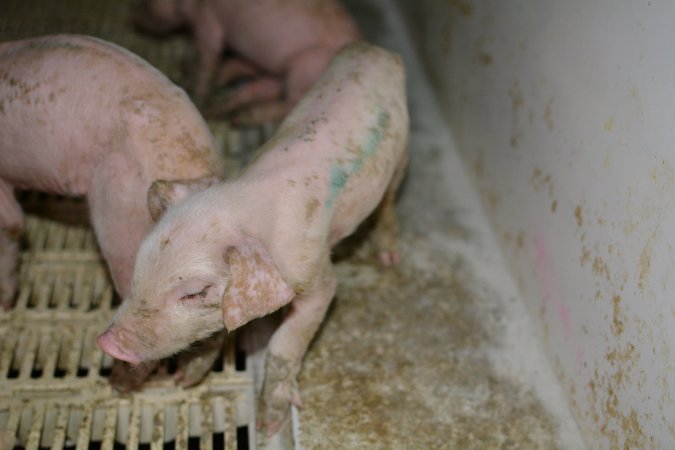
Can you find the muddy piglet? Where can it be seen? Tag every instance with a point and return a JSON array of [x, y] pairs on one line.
[[84, 117], [245, 248], [283, 45]]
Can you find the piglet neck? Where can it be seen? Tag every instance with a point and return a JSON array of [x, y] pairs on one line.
[[250, 210]]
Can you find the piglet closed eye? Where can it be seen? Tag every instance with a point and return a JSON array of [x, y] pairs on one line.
[[200, 294]]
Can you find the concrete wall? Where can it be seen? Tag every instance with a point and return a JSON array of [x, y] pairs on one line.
[[565, 111]]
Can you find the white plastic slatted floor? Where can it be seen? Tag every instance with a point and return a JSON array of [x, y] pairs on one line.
[[54, 391]]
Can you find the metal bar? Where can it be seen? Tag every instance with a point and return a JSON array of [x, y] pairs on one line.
[[206, 441], [60, 428], [13, 421], [55, 341], [84, 434], [134, 426], [157, 442], [11, 338], [75, 353], [33, 441], [230, 430], [108, 440], [56, 236], [25, 290], [85, 293], [63, 296], [28, 357], [95, 353], [43, 296], [183, 426]]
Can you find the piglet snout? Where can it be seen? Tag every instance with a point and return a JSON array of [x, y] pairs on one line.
[[109, 344]]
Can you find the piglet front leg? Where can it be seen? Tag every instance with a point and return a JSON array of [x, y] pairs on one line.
[[126, 378], [195, 365], [210, 38], [287, 348]]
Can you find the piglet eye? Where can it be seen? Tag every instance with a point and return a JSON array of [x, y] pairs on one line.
[[200, 294]]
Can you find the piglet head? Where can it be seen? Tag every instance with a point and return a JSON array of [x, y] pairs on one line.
[[193, 275]]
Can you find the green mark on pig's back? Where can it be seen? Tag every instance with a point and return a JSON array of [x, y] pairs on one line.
[[339, 174]]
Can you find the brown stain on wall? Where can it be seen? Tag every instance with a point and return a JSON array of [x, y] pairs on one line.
[[493, 200], [578, 215], [646, 261], [600, 268], [554, 206], [609, 125], [617, 317], [520, 240], [620, 426], [484, 58], [517, 104], [541, 181], [548, 114]]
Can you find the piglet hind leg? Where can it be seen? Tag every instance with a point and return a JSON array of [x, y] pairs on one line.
[[261, 113], [233, 69], [287, 349], [210, 40], [385, 233], [304, 69], [11, 228], [258, 91]]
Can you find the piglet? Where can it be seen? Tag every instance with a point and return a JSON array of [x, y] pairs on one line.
[[284, 45], [83, 117], [247, 247]]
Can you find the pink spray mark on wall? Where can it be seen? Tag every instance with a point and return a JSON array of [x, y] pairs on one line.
[[546, 276], [547, 282]]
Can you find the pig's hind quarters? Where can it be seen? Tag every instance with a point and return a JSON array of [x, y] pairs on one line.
[[11, 227]]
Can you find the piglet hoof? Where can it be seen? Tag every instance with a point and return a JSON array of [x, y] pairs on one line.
[[280, 390], [271, 428], [389, 258], [125, 378], [274, 411]]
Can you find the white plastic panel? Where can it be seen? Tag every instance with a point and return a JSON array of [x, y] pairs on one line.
[[565, 112]]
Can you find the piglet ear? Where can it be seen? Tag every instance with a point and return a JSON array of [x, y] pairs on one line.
[[163, 193], [255, 288]]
